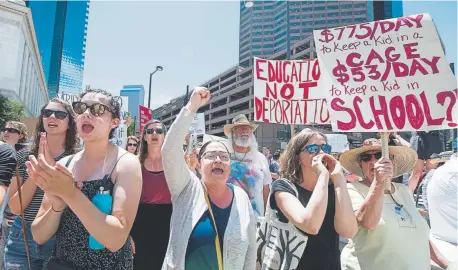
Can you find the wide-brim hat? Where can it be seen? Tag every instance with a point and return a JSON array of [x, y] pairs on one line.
[[443, 157], [403, 157], [238, 120]]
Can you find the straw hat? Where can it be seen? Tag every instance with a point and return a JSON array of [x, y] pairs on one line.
[[238, 120], [403, 160], [442, 157]]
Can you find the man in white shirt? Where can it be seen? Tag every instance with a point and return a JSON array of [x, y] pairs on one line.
[[249, 167], [442, 201]]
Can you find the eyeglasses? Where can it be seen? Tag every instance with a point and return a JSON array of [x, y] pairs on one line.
[[132, 144], [368, 157], [96, 109], [11, 130], [46, 113], [314, 148], [211, 155], [158, 131], [243, 128]]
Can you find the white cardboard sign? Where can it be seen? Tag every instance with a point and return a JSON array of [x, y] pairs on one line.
[[289, 92], [389, 75]]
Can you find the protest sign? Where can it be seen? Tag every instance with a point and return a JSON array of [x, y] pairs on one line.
[[289, 92], [387, 75], [120, 134], [145, 116], [198, 124], [338, 142]]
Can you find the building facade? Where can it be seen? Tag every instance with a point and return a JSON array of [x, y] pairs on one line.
[[136, 95], [387, 9], [21, 72], [61, 28], [266, 26]]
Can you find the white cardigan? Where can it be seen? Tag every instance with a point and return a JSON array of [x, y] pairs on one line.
[[239, 244]]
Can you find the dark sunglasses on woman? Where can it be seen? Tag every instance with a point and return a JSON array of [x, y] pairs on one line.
[[368, 157], [58, 114], [96, 109], [158, 131], [11, 130], [314, 148], [132, 144]]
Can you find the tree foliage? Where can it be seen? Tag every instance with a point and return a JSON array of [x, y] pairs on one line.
[[10, 110]]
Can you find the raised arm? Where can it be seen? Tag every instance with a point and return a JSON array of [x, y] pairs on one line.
[[344, 219], [369, 213], [310, 218], [176, 170]]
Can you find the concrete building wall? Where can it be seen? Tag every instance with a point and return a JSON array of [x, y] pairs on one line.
[[21, 72]]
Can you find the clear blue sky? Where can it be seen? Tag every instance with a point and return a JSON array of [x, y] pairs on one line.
[[193, 40]]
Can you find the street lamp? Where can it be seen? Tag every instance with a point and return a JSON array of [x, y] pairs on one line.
[[158, 68]]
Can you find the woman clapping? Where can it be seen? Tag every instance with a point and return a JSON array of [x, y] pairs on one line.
[[213, 225], [71, 184]]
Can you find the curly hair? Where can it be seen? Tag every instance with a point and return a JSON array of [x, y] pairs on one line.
[[290, 168], [72, 141], [21, 127], [134, 138], [115, 105], [143, 149]]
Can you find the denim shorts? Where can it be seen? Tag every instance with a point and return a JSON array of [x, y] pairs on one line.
[[15, 257]]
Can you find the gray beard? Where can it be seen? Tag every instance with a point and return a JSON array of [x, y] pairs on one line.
[[243, 142]]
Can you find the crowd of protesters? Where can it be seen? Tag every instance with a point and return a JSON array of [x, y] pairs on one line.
[[198, 209]]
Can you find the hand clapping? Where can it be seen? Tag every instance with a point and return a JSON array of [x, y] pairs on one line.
[[54, 180]]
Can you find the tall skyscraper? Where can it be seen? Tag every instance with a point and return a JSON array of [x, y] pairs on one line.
[[136, 95], [61, 28], [387, 9], [264, 25]]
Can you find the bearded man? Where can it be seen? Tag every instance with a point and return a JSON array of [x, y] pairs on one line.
[[249, 167]]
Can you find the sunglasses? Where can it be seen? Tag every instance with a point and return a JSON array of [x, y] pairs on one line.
[[132, 144], [211, 155], [11, 130], [368, 157], [46, 113], [158, 131], [96, 109], [314, 148]]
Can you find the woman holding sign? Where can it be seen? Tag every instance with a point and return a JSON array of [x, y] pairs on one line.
[[322, 208], [213, 224], [152, 225], [392, 234]]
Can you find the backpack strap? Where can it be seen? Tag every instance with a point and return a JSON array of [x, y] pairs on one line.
[[69, 160], [24, 227]]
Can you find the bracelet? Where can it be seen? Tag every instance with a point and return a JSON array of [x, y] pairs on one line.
[[52, 207]]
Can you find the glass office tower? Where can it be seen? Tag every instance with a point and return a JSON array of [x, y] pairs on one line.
[[61, 28], [264, 31]]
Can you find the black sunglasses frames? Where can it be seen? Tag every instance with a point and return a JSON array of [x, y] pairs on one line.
[[46, 113], [158, 131], [96, 109], [11, 130]]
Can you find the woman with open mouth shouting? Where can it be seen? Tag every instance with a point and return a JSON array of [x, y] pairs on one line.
[[152, 224], [213, 224], [55, 136], [89, 234]]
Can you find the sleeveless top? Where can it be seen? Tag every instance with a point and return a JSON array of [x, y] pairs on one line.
[[72, 239]]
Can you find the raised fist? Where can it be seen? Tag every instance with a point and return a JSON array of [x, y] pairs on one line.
[[199, 97]]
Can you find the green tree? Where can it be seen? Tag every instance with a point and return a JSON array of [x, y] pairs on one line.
[[10, 110]]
